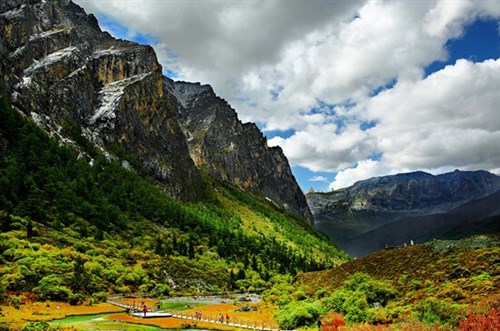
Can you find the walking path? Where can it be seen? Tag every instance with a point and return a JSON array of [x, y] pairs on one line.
[[237, 324], [234, 322]]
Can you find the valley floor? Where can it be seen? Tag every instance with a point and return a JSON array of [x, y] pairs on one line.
[[259, 315]]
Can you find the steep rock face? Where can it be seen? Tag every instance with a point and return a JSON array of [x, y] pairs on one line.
[[61, 68], [347, 213], [233, 151]]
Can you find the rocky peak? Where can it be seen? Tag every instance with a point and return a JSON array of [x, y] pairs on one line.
[[61, 68], [233, 151]]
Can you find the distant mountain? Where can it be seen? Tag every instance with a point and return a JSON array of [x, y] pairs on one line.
[[481, 216], [348, 213]]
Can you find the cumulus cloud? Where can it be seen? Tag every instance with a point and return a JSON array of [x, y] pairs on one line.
[[449, 118], [218, 42], [312, 66], [364, 169], [446, 121]]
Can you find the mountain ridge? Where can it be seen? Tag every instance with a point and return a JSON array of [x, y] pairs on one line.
[[370, 204], [233, 151]]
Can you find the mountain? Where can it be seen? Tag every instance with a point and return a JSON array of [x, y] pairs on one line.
[[73, 79], [99, 193], [370, 204], [481, 216], [236, 152]]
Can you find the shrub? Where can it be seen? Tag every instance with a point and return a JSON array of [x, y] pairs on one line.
[[355, 308], [36, 326], [99, 296], [322, 293], [331, 322], [15, 301], [50, 288], [75, 299], [379, 316], [413, 324], [162, 290], [359, 293], [298, 314], [452, 291], [432, 310], [416, 284], [478, 322], [374, 290]]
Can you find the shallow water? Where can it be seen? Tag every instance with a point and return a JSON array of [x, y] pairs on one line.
[[99, 323], [214, 299]]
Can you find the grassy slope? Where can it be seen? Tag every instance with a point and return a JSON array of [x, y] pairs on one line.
[[465, 271]]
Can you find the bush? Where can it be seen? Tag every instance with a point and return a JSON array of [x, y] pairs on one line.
[[298, 314], [478, 322], [359, 293], [432, 310], [75, 299], [331, 322], [452, 291], [50, 288], [36, 326], [15, 301], [161, 290], [99, 296]]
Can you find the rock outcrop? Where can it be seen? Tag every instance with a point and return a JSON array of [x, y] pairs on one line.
[[61, 68], [235, 152]]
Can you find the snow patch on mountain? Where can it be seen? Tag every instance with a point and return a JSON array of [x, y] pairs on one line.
[[109, 98], [49, 60]]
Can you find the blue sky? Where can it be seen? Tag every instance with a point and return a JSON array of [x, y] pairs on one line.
[[349, 90]]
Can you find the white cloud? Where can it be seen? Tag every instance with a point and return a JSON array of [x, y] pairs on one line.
[[318, 179], [281, 63], [448, 120], [364, 169]]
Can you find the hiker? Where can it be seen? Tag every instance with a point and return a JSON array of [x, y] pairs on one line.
[[227, 318], [145, 309]]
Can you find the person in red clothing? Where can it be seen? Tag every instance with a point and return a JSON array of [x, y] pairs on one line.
[[145, 309]]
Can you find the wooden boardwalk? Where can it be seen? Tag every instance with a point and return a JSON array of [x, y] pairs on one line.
[[234, 322]]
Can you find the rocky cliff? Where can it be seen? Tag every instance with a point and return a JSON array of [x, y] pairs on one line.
[[367, 205], [61, 68], [65, 73], [236, 152]]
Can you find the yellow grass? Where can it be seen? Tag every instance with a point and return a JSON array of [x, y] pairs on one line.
[[47, 311]]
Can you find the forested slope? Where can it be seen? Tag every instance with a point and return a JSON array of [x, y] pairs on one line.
[[64, 216]]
